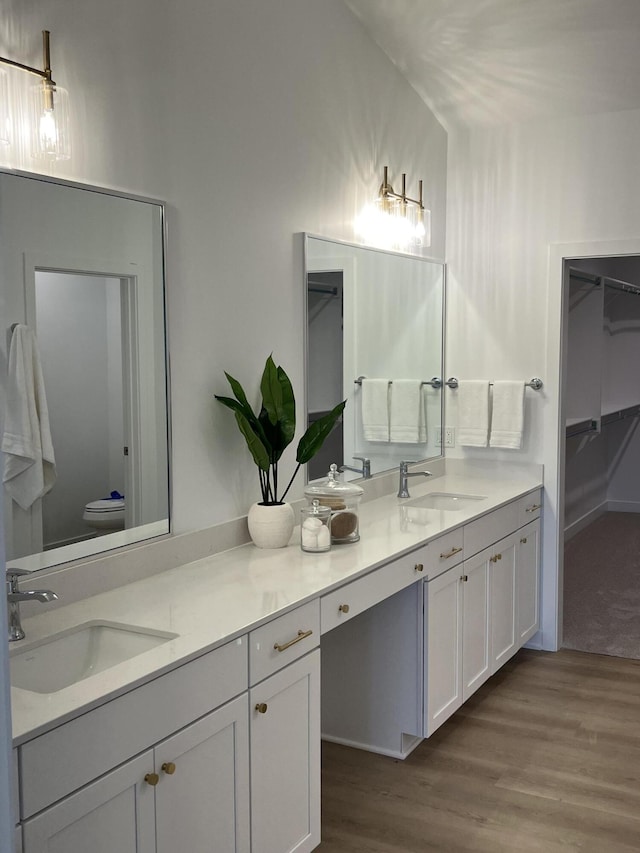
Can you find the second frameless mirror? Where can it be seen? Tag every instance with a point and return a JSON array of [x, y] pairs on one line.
[[374, 315]]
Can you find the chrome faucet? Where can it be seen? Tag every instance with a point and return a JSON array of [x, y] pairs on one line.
[[365, 471], [14, 597], [403, 490]]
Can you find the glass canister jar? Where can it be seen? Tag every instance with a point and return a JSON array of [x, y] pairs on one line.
[[315, 527], [343, 499]]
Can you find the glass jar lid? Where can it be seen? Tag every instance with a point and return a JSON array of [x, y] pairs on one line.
[[332, 486]]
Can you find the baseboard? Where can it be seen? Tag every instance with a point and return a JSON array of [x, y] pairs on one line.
[[409, 743], [623, 506], [584, 521]]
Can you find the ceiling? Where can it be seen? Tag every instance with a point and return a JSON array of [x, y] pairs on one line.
[[478, 62]]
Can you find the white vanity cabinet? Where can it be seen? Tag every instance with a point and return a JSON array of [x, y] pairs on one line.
[[191, 792], [284, 702], [480, 612], [173, 792], [457, 609], [528, 581]]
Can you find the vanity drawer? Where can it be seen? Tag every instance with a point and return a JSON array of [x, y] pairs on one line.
[[444, 552], [495, 525], [529, 507], [354, 598], [66, 758], [283, 640]]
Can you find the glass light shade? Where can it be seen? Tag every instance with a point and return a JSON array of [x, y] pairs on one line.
[[50, 133], [5, 115], [401, 225]]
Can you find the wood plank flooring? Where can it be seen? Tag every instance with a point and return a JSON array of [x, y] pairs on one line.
[[545, 757]]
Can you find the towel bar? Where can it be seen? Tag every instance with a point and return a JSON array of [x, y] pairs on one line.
[[535, 383], [435, 382]]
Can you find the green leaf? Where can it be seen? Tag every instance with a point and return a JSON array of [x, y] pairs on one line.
[[271, 391], [238, 390], [288, 415], [261, 455], [314, 437], [232, 404]]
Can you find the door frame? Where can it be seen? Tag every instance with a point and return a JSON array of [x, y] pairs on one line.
[[554, 424], [100, 268]]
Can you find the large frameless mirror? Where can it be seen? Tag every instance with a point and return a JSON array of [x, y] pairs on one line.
[[374, 335], [84, 392]]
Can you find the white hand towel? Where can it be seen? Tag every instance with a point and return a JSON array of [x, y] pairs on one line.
[[375, 409], [507, 419], [473, 412], [407, 411], [29, 461]]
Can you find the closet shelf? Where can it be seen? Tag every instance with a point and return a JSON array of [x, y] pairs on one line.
[[578, 426], [620, 414]]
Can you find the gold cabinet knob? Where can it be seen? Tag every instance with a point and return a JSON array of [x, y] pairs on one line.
[[169, 768], [344, 608], [152, 779], [261, 707], [523, 541], [499, 556], [419, 567]]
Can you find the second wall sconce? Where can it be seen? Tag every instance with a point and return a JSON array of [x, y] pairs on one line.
[[48, 110], [395, 220]]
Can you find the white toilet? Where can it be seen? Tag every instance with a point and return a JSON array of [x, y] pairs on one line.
[[105, 514]]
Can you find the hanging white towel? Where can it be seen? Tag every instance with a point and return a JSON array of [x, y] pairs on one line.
[[473, 412], [29, 461], [375, 409], [407, 412], [507, 419]]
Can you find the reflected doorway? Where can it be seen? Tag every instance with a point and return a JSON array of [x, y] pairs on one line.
[[81, 321], [325, 367]]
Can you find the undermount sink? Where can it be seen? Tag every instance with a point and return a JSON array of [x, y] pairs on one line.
[[445, 501], [56, 662]]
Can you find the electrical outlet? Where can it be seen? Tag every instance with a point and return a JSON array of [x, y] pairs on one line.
[[449, 437]]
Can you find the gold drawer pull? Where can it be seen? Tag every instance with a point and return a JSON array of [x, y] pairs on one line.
[[344, 608], [419, 567], [302, 635], [533, 507], [453, 551], [523, 541], [464, 578], [261, 707], [169, 768], [152, 779]]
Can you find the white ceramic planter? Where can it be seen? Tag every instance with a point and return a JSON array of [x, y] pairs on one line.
[[271, 526]]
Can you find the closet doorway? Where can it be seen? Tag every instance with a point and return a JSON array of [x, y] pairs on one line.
[[601, 401]]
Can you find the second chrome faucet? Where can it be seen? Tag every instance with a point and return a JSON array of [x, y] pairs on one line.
[[403, 489]]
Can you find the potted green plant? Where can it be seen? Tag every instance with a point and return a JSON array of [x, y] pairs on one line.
[[268, 434]]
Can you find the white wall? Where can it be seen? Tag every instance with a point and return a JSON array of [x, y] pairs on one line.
[[254, 121], [513, 191]]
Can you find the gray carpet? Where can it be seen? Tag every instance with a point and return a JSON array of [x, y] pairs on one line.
[[602, 587]]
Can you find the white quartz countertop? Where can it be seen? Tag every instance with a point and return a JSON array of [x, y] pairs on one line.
[[218, 598]]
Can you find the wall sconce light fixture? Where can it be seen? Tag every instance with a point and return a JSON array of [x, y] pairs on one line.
[[395, 220], [49, 110]]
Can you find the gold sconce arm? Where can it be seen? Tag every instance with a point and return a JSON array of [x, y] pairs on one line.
[[46, 54]]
